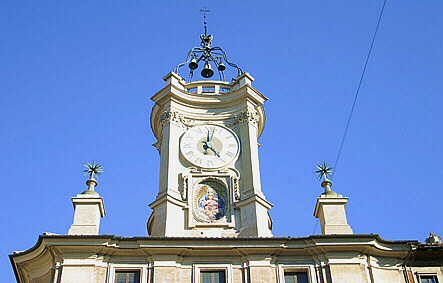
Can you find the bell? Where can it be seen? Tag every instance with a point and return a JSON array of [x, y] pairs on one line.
[[221, 66], [193, 64], [207, 72]]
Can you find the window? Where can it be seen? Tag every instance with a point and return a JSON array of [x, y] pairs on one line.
[[127, 277], [291, 273], [212, 277], [212, 273], [129, 273], [428, 279], [296, 277]]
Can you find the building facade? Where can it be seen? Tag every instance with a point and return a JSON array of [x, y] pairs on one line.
[[210, 219]]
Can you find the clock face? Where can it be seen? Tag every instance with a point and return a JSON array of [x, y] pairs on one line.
[[209, 146]]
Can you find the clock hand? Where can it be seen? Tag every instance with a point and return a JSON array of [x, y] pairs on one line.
[[206, 147], [212, 135], [209, 146], [209, 142], [215, 152]]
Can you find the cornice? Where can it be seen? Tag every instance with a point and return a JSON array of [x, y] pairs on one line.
[[208, 101], [168, 197], [90, 200], [257, 198], [329, 247], [329, 201], [374, 240]]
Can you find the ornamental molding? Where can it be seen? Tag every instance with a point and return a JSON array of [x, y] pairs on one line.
[[235, 180], [185, 184], [157, 145], [248, 116], [175, 117], [194, 174], [235, 183], [210, 178]]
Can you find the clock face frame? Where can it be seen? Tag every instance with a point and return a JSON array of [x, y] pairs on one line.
[[209, 146]]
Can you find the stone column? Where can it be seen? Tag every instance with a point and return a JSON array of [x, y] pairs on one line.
[[330, 209], [88, 209]]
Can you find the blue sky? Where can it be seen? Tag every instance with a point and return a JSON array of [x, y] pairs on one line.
[[76, 77]]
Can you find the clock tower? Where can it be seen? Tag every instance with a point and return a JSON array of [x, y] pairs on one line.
[[207, 133]]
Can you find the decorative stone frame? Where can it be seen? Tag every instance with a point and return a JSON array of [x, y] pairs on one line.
[[195, 191], [227, 268], [143, 269], [282, 268], [228, 177]]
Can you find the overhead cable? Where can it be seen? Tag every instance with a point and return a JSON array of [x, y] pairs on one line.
[[357, 92]]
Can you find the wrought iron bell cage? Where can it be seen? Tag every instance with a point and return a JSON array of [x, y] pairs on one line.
[[207, 54]]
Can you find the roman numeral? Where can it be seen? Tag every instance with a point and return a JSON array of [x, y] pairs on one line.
[[232, 145], [230, 154], [210, 163], [198, 160], [189, 153], [228, 137], [187, 145]]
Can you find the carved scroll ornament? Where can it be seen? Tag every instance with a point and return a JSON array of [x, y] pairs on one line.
[[174, 116], [247, 117]]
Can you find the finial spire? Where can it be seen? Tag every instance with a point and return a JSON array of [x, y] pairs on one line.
[[323, 171], [90, 170], [204, 10]]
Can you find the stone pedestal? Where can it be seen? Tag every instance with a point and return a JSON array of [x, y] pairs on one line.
[[89, 208], [330, 209]]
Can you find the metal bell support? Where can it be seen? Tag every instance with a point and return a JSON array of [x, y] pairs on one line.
[[205, 53]]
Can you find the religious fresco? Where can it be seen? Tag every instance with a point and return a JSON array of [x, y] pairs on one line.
[[210, 203]]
